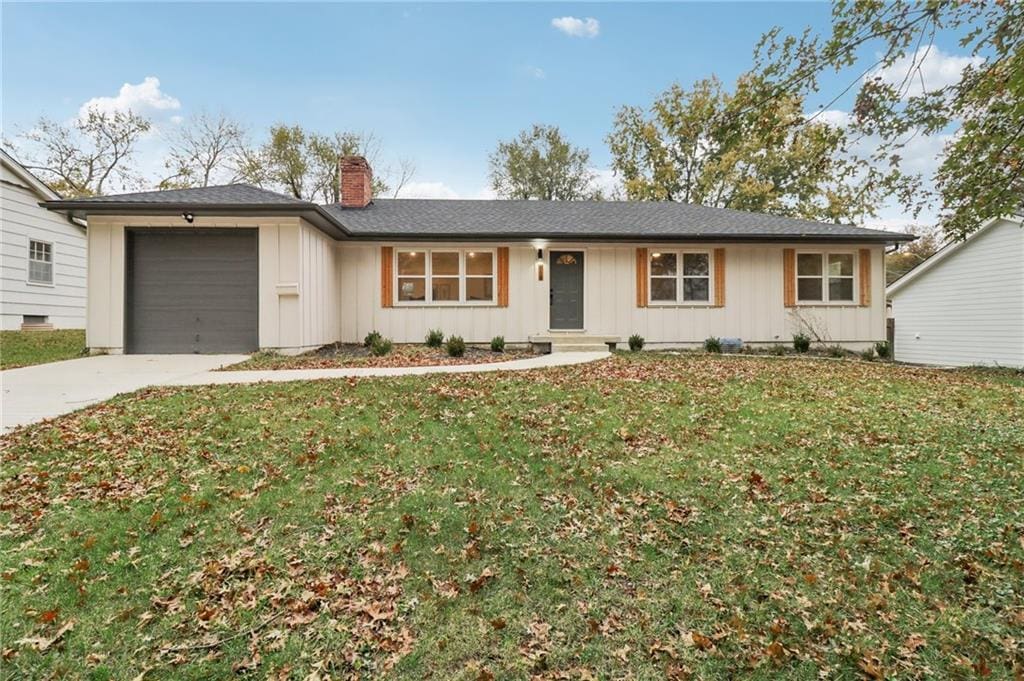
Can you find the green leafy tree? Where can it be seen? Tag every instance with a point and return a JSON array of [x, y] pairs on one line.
[[742, 149], [910, 255], [83, 157], [304, 164], [540, 164], [982, 170]]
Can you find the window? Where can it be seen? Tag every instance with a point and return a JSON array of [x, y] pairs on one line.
[[680, 277], [824, 277], [40, 262], [445, 276]]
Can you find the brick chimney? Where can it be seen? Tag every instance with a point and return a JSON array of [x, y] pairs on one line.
[[356, 179]]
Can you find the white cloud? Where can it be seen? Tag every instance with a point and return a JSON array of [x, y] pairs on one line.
[[835, 117], [144, 98], [537, 72], [576, 27], [926, 70], [427, 190]]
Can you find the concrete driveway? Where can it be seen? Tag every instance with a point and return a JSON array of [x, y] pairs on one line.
[[35, 393]]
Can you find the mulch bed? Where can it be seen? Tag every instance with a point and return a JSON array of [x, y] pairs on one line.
[[343, 355]]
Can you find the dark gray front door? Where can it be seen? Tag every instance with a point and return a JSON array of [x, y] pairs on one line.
[[191, 291], [566, 289]]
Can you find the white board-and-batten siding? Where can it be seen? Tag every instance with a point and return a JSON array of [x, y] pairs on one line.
[[22, 219], [968, 307], [753, 310]]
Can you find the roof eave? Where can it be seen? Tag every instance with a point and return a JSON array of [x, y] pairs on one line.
[[310, 211], [563, 236]]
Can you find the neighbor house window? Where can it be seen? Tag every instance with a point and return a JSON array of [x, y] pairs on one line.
[[40, 262], [680, 277], [445, 276], [824, 277]]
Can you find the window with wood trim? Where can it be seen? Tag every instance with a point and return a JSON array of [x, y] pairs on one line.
[[445, 276], [825, 277], [680, 277], [40, 262]]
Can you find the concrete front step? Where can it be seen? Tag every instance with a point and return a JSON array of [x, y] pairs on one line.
[[583, 347], [573, 342]]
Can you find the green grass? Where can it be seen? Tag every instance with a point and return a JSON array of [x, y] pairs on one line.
[[644, 516], [25, 348]]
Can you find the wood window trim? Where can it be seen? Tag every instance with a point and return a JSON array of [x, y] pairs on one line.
[[824, 277], [864, 272], [48, 260], [641, 277], [428, 277], [680, 277], [387, 262]]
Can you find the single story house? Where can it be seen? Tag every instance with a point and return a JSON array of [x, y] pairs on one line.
[[236, 268], [965, 304], [42, 255]]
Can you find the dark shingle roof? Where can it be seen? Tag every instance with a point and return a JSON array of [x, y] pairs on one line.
[[227, 194], [442, 218], [575, 219]]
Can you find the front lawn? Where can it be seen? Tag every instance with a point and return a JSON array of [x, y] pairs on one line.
[[643, 516], [25, 348]]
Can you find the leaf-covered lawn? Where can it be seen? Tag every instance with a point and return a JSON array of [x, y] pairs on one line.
[[342, 355], [25, 348], [644, 516]]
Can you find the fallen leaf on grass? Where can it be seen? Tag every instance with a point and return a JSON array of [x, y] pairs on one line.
[[42, 644]]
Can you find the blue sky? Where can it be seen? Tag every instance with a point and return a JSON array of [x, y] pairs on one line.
[[439, 84]]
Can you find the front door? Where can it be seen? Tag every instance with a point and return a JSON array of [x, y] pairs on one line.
[[566, 290]]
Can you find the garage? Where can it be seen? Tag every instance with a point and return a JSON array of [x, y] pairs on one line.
[[191, 291]]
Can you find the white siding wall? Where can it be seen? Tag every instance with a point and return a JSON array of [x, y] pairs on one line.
[[21, 219], [314, 291], [969, 308], [319, 290], [753, 311]]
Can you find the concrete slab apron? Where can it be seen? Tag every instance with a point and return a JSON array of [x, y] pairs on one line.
[[31, 394]]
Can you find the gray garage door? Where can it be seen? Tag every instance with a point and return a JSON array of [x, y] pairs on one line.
[[192, 291]]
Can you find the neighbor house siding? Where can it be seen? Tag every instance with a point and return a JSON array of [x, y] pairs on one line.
[[298, 294], [969, 308], [21, 220], [753, 308]]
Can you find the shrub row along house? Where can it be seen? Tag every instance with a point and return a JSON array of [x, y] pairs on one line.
[[236, 268]]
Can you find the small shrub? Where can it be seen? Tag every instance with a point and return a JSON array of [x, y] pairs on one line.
[[778, 349], [435, 338], [498, 344], [636, 342], [380, 346], [867, 354], [883, 349], [801, 342], [836, 351], [712, 345], [371, 338], [455, 346]]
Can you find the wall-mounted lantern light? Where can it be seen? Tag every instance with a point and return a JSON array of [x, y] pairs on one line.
[[540, 264]]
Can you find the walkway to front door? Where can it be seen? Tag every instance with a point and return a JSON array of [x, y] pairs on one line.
[[566, 290]]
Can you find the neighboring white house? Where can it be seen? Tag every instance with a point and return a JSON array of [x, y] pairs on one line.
[[42, 255], [965, 304]]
